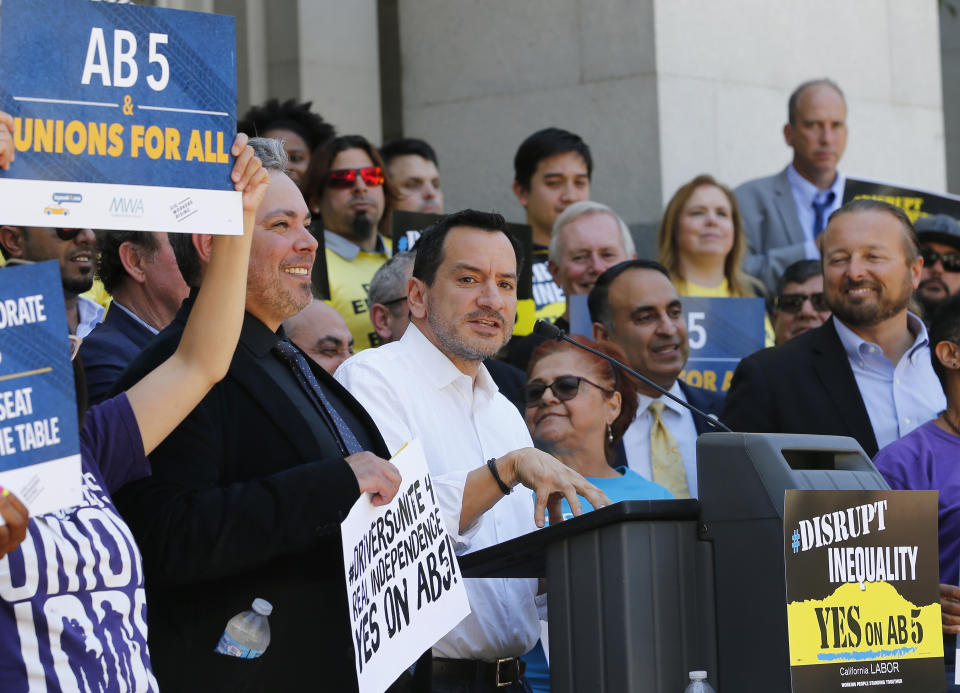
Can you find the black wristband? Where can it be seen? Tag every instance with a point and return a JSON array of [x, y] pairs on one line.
[[492, 466]]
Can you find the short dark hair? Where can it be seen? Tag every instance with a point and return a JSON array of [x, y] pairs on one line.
[[597, 299], [543, 144], [944, 327], [109, 267], [795, 95], [321, 163], [429, 246], [288, 115], [406, 146], [911, 245], [799, 272]]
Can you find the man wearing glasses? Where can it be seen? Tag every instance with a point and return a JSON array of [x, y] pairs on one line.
[[939, 237], [73, 249], [347, 192], [800, 303]]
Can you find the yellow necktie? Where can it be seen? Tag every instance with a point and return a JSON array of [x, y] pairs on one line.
[[665, 457]]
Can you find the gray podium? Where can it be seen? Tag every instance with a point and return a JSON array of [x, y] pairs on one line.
[[641, 592]]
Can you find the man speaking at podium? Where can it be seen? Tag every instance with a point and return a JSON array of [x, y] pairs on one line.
[[432, 385]]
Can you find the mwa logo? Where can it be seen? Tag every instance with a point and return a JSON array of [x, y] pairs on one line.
[[126, 207]]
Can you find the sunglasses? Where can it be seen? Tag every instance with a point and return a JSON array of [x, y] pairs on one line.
[[951, 261], [564, 389], [793, 303], [346, 177], [67, 234]]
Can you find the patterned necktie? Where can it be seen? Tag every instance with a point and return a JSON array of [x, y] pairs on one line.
[[665, 456], [819, 212], [290, 355]]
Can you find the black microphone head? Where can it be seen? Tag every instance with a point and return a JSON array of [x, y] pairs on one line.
[[548, 330]]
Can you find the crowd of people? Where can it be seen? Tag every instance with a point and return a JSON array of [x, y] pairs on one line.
[[246, 390]]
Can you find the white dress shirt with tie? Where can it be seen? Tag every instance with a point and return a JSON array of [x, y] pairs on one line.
[[412, 390], [679, 420]]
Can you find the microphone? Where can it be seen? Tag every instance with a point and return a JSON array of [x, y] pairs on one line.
[[548, 330]]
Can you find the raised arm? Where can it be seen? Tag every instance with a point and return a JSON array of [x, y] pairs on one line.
[[7, 152], [164, 397]]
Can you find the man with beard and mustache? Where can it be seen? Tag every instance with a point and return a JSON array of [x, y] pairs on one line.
[[432, 385], [939, 237], [866, 372], [347, 190], [635, 306], [73, 249]]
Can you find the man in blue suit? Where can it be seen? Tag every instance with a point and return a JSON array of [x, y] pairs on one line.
[[635, 306], [139, 270], [784, 214]]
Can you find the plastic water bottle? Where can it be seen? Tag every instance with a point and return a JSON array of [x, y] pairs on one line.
[[247, 634], [698, 683]]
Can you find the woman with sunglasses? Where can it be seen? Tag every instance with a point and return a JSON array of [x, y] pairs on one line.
[[72, 605], [577, 409], [702, 243]]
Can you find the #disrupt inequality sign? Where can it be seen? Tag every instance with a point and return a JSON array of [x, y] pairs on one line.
[[39, 443], [123, 117], [863, 603], [404, 586]]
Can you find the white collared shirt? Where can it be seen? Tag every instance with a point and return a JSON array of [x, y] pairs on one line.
[[89, 315], [412, 390], [804, 193], [900, 397], [133, 316], [678, 420]]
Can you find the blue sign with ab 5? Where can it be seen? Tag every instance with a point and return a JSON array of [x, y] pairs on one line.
[[721, 332], [39, 443], [123, 116]]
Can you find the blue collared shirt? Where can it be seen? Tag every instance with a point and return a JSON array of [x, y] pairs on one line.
[[900, 397], [804, 194]]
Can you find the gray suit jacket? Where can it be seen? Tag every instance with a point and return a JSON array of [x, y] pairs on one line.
[[774, 235]]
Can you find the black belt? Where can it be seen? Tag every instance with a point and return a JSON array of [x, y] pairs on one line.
[[500, 673]]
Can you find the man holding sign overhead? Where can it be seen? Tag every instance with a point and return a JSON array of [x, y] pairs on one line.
[[431, 385]]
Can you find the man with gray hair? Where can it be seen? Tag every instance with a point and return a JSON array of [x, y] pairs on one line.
[[248, 493], [587, 238], [139, 270], [784, 214]]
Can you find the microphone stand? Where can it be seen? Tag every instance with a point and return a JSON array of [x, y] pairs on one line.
[[551, 331]]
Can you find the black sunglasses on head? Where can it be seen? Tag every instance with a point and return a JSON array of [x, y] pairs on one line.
[[793, 303], [564, 389], [951, 261]]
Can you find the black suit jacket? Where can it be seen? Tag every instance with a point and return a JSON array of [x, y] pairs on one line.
[[704, 400], [243, 504], [107, 350], [803, 386]]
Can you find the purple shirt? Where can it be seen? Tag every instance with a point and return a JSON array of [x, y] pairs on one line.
[[926, 459], [72, 606]]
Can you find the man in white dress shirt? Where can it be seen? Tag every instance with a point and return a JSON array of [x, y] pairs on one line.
[[431, 385], [635, 305]]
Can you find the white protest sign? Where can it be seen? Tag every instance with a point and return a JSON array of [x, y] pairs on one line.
[[404, 586]]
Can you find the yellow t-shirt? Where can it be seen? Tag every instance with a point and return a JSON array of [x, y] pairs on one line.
[[349, 271], [722, 290]]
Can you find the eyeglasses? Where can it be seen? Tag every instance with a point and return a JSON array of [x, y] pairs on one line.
[[394, 300], [564, 389], [951, 261], [346, 177], [67, 234], [793, 303], [75, 343]]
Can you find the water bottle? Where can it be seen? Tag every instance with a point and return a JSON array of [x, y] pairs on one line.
[[247, 634], [698, 683]]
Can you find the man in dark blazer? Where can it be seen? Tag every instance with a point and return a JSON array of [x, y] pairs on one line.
[[783, 214], [139, 270], [248, 492], [864, 373], [635, 306]]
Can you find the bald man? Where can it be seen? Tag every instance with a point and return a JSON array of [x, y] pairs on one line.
[[322, 333]]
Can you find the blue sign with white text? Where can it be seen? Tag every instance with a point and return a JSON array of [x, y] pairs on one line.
[[721, 332]]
